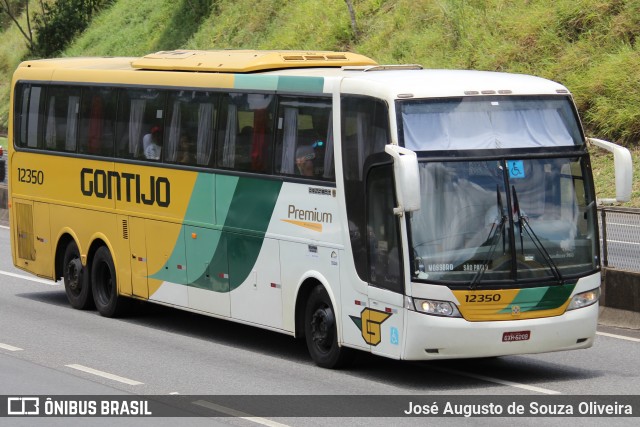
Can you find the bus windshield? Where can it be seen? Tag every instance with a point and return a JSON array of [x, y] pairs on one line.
[[474, 123], [503, 220]]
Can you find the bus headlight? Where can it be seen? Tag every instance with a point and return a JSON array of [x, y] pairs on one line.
[[433, 307], [584, 299]]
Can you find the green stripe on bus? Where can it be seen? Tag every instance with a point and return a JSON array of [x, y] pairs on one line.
[[224, 258], [281, 83], [301, 84], [555, 296], [251, 208], [242, 81], [536, 299]]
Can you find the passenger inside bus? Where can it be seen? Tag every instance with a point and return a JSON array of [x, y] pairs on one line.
[[305, 156], [185, 150], [152, 144]]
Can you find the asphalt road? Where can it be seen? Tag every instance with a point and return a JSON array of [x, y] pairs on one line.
[[48, 348]]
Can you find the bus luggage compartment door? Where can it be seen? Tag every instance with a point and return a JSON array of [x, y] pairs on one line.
[[138, 247], [32, 237]]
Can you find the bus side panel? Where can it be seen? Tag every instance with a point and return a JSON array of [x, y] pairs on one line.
[[123, 255], [354, 306], [302, 261], [259, 298], [138, 258], [87, 226], [385, 322], [166, 262], [207, 270], [33, 238]]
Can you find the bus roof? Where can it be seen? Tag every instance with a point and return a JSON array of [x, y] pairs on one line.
[[359, 73], [244, 61]]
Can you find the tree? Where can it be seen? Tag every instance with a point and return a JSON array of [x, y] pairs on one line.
[[60, 22], [13, 9], [352, 15]]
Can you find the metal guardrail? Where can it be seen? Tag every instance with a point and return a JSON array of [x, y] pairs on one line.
[[620, 238], [3, 168]]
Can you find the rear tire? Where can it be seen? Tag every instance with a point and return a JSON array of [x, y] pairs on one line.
[[321, 332], [105, 285], [76, 279]]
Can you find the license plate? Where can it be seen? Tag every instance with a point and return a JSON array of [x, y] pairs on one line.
[[516, 336]]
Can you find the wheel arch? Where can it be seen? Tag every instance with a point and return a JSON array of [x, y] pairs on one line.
[[307, 284], [63, 241]]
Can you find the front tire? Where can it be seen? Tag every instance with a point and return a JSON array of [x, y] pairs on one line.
[[321, 332], [105, 285], [76, 279]]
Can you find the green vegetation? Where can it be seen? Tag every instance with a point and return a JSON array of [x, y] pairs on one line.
[[590, 46]]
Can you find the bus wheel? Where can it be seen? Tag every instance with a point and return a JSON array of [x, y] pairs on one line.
[[76, 279], [104, 284], [321, 332]]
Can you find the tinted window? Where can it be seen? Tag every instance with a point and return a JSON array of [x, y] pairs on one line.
[[61, 118], [304, 144], [245, 137], [140, 126], [97, 117], [189, 138], [365, 132]]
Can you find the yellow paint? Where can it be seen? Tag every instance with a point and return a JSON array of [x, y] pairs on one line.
[[314, 226], [371, 325], [480, 306]]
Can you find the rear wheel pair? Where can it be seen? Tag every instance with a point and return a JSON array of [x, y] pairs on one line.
[[96, 287]]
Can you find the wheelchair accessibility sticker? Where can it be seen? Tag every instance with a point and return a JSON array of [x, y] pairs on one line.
[[395, 336], [516, 168]]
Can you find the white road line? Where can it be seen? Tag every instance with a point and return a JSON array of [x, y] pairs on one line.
[[104, 374], [4, 226], [9, 347], [33, 279], [238, 414], [497, 381], [620, 337]]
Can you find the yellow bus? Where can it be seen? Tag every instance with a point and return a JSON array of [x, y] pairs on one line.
[[414, 214]]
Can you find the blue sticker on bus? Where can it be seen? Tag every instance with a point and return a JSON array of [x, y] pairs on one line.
[[395, 336], [516, 168]]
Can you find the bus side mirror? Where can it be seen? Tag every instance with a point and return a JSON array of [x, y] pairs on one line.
[[407, 178], [623, 169]]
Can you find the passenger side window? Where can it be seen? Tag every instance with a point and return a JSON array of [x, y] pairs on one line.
[[97, 110], [245, 139], [140, 126], [191, 123], [61, 118], [28, 114], [304, 142]]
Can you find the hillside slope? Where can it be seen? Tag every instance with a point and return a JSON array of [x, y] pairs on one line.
[[591, 46]]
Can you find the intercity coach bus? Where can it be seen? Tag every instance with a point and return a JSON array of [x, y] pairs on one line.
[[414, 214]]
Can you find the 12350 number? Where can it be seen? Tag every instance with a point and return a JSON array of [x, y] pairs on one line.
[[482, 298], [31, 176]]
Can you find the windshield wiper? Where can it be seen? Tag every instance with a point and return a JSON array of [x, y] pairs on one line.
[[493, 237], [523, 223]]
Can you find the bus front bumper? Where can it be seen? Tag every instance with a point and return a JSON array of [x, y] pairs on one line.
[[431, 337]]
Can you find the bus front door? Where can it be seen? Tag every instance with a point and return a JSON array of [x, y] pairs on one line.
[[385, 319]]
